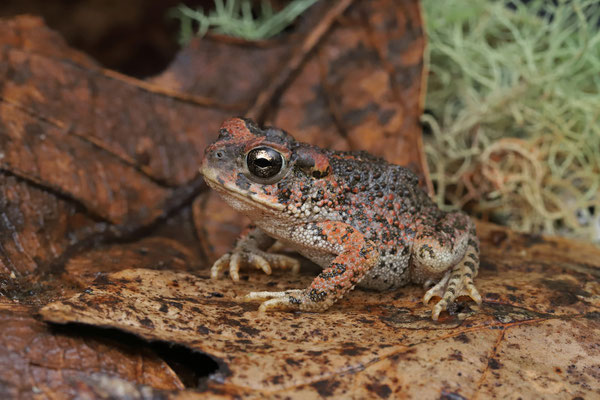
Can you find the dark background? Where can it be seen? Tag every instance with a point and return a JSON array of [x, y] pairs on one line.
[[135, 37]]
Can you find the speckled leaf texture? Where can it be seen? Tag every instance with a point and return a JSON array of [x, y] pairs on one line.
[[534, 336], [107, 233]]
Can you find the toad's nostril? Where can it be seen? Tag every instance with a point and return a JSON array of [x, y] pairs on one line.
[[219, 154]]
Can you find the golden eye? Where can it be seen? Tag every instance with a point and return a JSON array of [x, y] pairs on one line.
[[264, 162]]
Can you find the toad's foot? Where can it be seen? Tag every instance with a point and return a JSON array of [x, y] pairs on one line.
[[285, 300], [256, 258], [295, 299], [455, 283]]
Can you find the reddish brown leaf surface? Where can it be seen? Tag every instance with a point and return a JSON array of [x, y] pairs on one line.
[[52, 362], [36, 226], [218, 226], [44, 362], [362, 86], [535, 333], [162, 138], [82, 150]]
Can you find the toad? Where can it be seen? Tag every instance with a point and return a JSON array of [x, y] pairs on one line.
[[365, 221]]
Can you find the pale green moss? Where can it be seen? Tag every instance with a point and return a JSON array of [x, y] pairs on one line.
[[515, 101], [235, 18]]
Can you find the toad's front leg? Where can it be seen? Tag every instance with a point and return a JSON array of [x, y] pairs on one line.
[[354, 257], [250, 250]]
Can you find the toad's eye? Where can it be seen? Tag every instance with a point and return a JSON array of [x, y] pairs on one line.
[[264, 162]]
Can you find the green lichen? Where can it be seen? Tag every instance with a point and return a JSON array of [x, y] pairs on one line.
[[514, 94], [236, 18]]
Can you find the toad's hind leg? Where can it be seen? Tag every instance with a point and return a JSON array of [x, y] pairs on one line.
[[457, 282], [446, 248]]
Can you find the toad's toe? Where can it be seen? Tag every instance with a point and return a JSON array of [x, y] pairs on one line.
[[449, 288], [258, 259]]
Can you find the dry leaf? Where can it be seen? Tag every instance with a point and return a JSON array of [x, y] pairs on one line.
[[361, 89], [83, 151], [536, 329], [44, 362]]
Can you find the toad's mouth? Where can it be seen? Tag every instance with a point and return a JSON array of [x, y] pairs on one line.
[[230, 190]]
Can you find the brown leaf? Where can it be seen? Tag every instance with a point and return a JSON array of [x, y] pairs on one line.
[[48, 155], [85, 152], [37, 361], [361, 89], [150, 252], [353, 82], [374, 344], [224, 69], [32, 35], [218, 226], [36, 226], [160, 137]]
